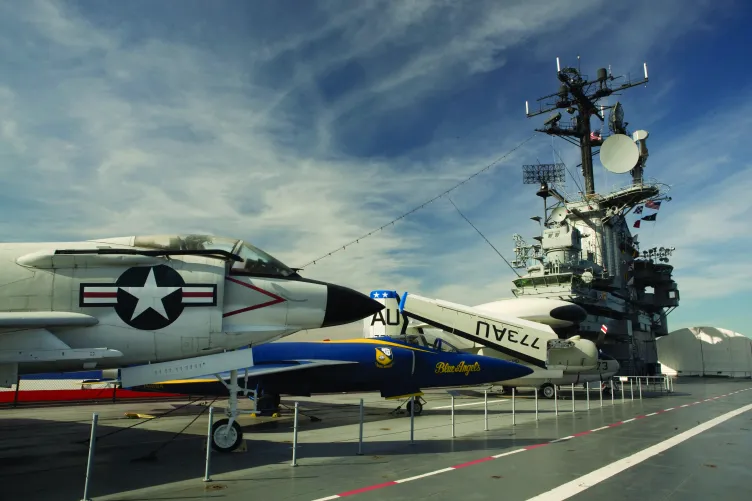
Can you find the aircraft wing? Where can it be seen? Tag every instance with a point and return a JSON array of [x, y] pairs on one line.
[[292, 365], [256, 370], [30, 341], [525, 340], [43, 319]]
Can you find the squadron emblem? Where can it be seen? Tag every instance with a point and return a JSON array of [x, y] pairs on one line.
[[384, 357]]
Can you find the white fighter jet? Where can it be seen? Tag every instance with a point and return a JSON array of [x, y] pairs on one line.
[[524, 331], [155, 307]]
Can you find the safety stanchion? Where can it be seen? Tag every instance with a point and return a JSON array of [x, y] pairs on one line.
[[360, 435], [452, 416], [631, 388], [556, 401], [295, 438], [536, 404], [90, 460], [572, 397], [612, 390], [513, 420], [622, 391], [207, 466], [485, 410], [587, 393], [412, 419], [639, 386]]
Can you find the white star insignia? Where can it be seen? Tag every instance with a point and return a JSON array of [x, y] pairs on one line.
[[149, 296]]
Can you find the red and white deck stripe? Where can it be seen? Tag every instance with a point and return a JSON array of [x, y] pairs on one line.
[[523, 449]]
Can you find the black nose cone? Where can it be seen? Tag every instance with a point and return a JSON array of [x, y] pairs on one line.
[[344, 306], [569, 313]]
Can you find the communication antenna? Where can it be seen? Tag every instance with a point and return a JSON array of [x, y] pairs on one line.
[[619, 154], [579, 97], [543, 174]]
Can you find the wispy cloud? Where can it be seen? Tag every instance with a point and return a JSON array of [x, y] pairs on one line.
[[300, 129]]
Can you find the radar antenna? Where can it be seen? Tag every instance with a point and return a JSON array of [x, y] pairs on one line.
[[579, 97]]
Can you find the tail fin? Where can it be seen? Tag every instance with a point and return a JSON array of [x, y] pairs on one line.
[[387, 322]]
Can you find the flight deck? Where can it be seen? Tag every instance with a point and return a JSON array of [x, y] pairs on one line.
[[686, 445]]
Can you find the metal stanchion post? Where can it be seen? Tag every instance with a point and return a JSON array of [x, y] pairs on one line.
[[207, 475], [600, 394], [536, 404], [485, 409], [92, 443], [587, 393], [639, 386], [612, 390], [295, 438], [556, 401], [513, 420], [452, 416], [572, 397], [631, 388], [412, 419], [360, 435], [622, 391]]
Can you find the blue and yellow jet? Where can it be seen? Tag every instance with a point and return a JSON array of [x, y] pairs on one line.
[[398, 367]]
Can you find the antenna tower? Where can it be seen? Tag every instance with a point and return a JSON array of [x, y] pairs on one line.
[[579, 97]]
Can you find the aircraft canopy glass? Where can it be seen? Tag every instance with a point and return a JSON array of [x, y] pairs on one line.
[[430, 341], [255, 261]]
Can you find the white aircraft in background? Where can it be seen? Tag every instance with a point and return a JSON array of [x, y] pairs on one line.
[[176, 303], [518, 330]]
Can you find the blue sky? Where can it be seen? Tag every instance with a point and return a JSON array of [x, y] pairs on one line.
[[300, 126]]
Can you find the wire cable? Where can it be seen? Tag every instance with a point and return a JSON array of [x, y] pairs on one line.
[[421, 205]]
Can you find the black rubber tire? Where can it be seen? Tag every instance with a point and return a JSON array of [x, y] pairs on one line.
[[418, 407], [547, 391], [222, 423]]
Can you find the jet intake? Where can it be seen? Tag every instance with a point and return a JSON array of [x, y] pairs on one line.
[[573, 353]]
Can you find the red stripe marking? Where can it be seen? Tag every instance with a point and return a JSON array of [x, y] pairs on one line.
[[616, 424], [78, 395], [100, 294], [582, 433], [531, 447], [639, 417], [198, 294], [366, 489], [469, 463], [275, 298]]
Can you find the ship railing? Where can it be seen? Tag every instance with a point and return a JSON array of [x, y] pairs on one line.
[[631, 386]]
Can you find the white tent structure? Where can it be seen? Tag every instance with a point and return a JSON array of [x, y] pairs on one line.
[[705, 351]]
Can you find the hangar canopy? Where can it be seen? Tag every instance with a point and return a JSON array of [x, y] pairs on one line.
[[705, 351]]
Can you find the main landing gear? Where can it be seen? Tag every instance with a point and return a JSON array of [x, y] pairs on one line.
[[226, 434], [547, 391]]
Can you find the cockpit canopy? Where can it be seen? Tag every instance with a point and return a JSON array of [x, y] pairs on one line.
[[254, 261], [429, 341]]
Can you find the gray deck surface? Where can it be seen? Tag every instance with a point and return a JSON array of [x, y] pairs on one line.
[[41, 459]]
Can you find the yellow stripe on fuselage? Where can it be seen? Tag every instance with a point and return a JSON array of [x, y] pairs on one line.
[[418, 394], [372, 341]]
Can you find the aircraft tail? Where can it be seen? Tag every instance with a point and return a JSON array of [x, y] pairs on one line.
[[387, 322]]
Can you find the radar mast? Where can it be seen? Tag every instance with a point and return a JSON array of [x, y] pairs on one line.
[[585, 252]]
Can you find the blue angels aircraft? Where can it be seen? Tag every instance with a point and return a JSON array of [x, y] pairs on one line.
[[397, 367]]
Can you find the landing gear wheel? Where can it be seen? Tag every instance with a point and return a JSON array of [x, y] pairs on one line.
[[418, 407], [226, 438], [547, 391]]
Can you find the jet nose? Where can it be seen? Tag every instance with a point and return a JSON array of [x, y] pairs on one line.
[[569, 313], [510, 370], [344, 306]]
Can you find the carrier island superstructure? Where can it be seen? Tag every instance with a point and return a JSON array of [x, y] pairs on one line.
[[585, 251]]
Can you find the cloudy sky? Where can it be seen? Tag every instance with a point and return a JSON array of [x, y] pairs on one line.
[[302, 125]]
